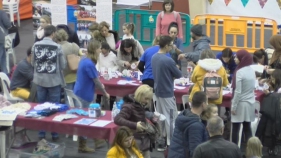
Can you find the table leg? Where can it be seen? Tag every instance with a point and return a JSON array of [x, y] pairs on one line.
[[3, 144]]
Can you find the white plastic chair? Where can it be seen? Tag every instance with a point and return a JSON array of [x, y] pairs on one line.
[[71, 97], [254, 124], [185, 99], [12, 7], [11, 51], [5, 81]]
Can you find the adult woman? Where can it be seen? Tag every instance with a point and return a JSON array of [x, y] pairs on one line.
[[227, 59], [124, 145], [243, 84], [275, 61], [145, 63], [44, 21], [132, 115], [93, 27], [87, 80], [129, 52], [103, 34], [173, 31], [208, 62], [165, 18], [67, 48]]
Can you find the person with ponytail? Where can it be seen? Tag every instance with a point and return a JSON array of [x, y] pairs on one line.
[[128, 30], [260, 57]]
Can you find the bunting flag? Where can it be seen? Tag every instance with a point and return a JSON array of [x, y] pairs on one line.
[[227, 2], [279, 3], [210, 1], [262, 3], [244, 2]]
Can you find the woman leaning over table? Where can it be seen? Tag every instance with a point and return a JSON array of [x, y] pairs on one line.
[[129, 52], [132, 115], [242, 104], [124, 145], [87, 80]]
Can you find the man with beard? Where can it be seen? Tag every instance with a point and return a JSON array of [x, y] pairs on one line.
[[200, 43]]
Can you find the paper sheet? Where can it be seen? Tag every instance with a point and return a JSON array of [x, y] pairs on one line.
[[100, 123], [104, 11], [59, 12], [224, 92], [84, 121], [179, 87]]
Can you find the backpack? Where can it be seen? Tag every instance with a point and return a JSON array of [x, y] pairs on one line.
[[175, 15], [212, 84]]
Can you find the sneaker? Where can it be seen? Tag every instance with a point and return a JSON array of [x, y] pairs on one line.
[[161, 144]]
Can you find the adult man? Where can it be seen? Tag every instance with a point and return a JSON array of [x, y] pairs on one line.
[[217, 146], [189, 130], [164, 71], [200, 43], [22, 77], [48, 62], [4, 25]]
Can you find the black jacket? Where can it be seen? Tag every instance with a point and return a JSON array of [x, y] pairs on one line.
[[217, 147], [72, 35], [269, 127]]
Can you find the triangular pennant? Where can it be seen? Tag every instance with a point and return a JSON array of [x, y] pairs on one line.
[[210, 1], [244, 2], [227, 2], [279, 3], [262, 2]]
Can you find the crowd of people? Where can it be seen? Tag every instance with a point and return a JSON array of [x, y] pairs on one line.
[[194, 132]]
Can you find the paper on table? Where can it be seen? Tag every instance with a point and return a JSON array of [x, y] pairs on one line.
[[85, 121], [100, 123], [179, 87], [224, 92], [258, 68]]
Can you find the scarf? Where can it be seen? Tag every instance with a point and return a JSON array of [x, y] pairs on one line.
[[275, 41], [245, 59]]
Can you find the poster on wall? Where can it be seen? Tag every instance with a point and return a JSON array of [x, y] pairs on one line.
[[40, 8], [104, 11], [59, 12]]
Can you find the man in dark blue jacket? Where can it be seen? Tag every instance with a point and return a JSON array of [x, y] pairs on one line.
[[189, 131]]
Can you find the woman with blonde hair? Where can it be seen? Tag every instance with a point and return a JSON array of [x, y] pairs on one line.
[[132, 115], [124, 145], [103, 34], [254, 148], [61, 37], [45, 20], [86, 82]]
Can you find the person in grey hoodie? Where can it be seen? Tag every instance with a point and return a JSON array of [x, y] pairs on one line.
[[5, 24], [200, 43]]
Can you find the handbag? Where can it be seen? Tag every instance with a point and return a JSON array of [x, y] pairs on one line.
[[14, 29], [73, 61], [8, 39]]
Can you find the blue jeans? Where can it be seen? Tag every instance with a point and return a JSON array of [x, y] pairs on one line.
[[70, 86], [48, 94], [3, 59]]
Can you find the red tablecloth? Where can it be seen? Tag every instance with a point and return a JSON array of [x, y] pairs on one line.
[[67, 127], [115, 89]]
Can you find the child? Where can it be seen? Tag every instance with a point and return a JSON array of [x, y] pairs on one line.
[[254, 148], [128, 30], [211, 110], [274, 83]]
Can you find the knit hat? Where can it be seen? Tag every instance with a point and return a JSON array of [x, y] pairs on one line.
[[197, 30]]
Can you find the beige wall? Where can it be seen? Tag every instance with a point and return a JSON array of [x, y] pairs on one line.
[[197, 7]]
